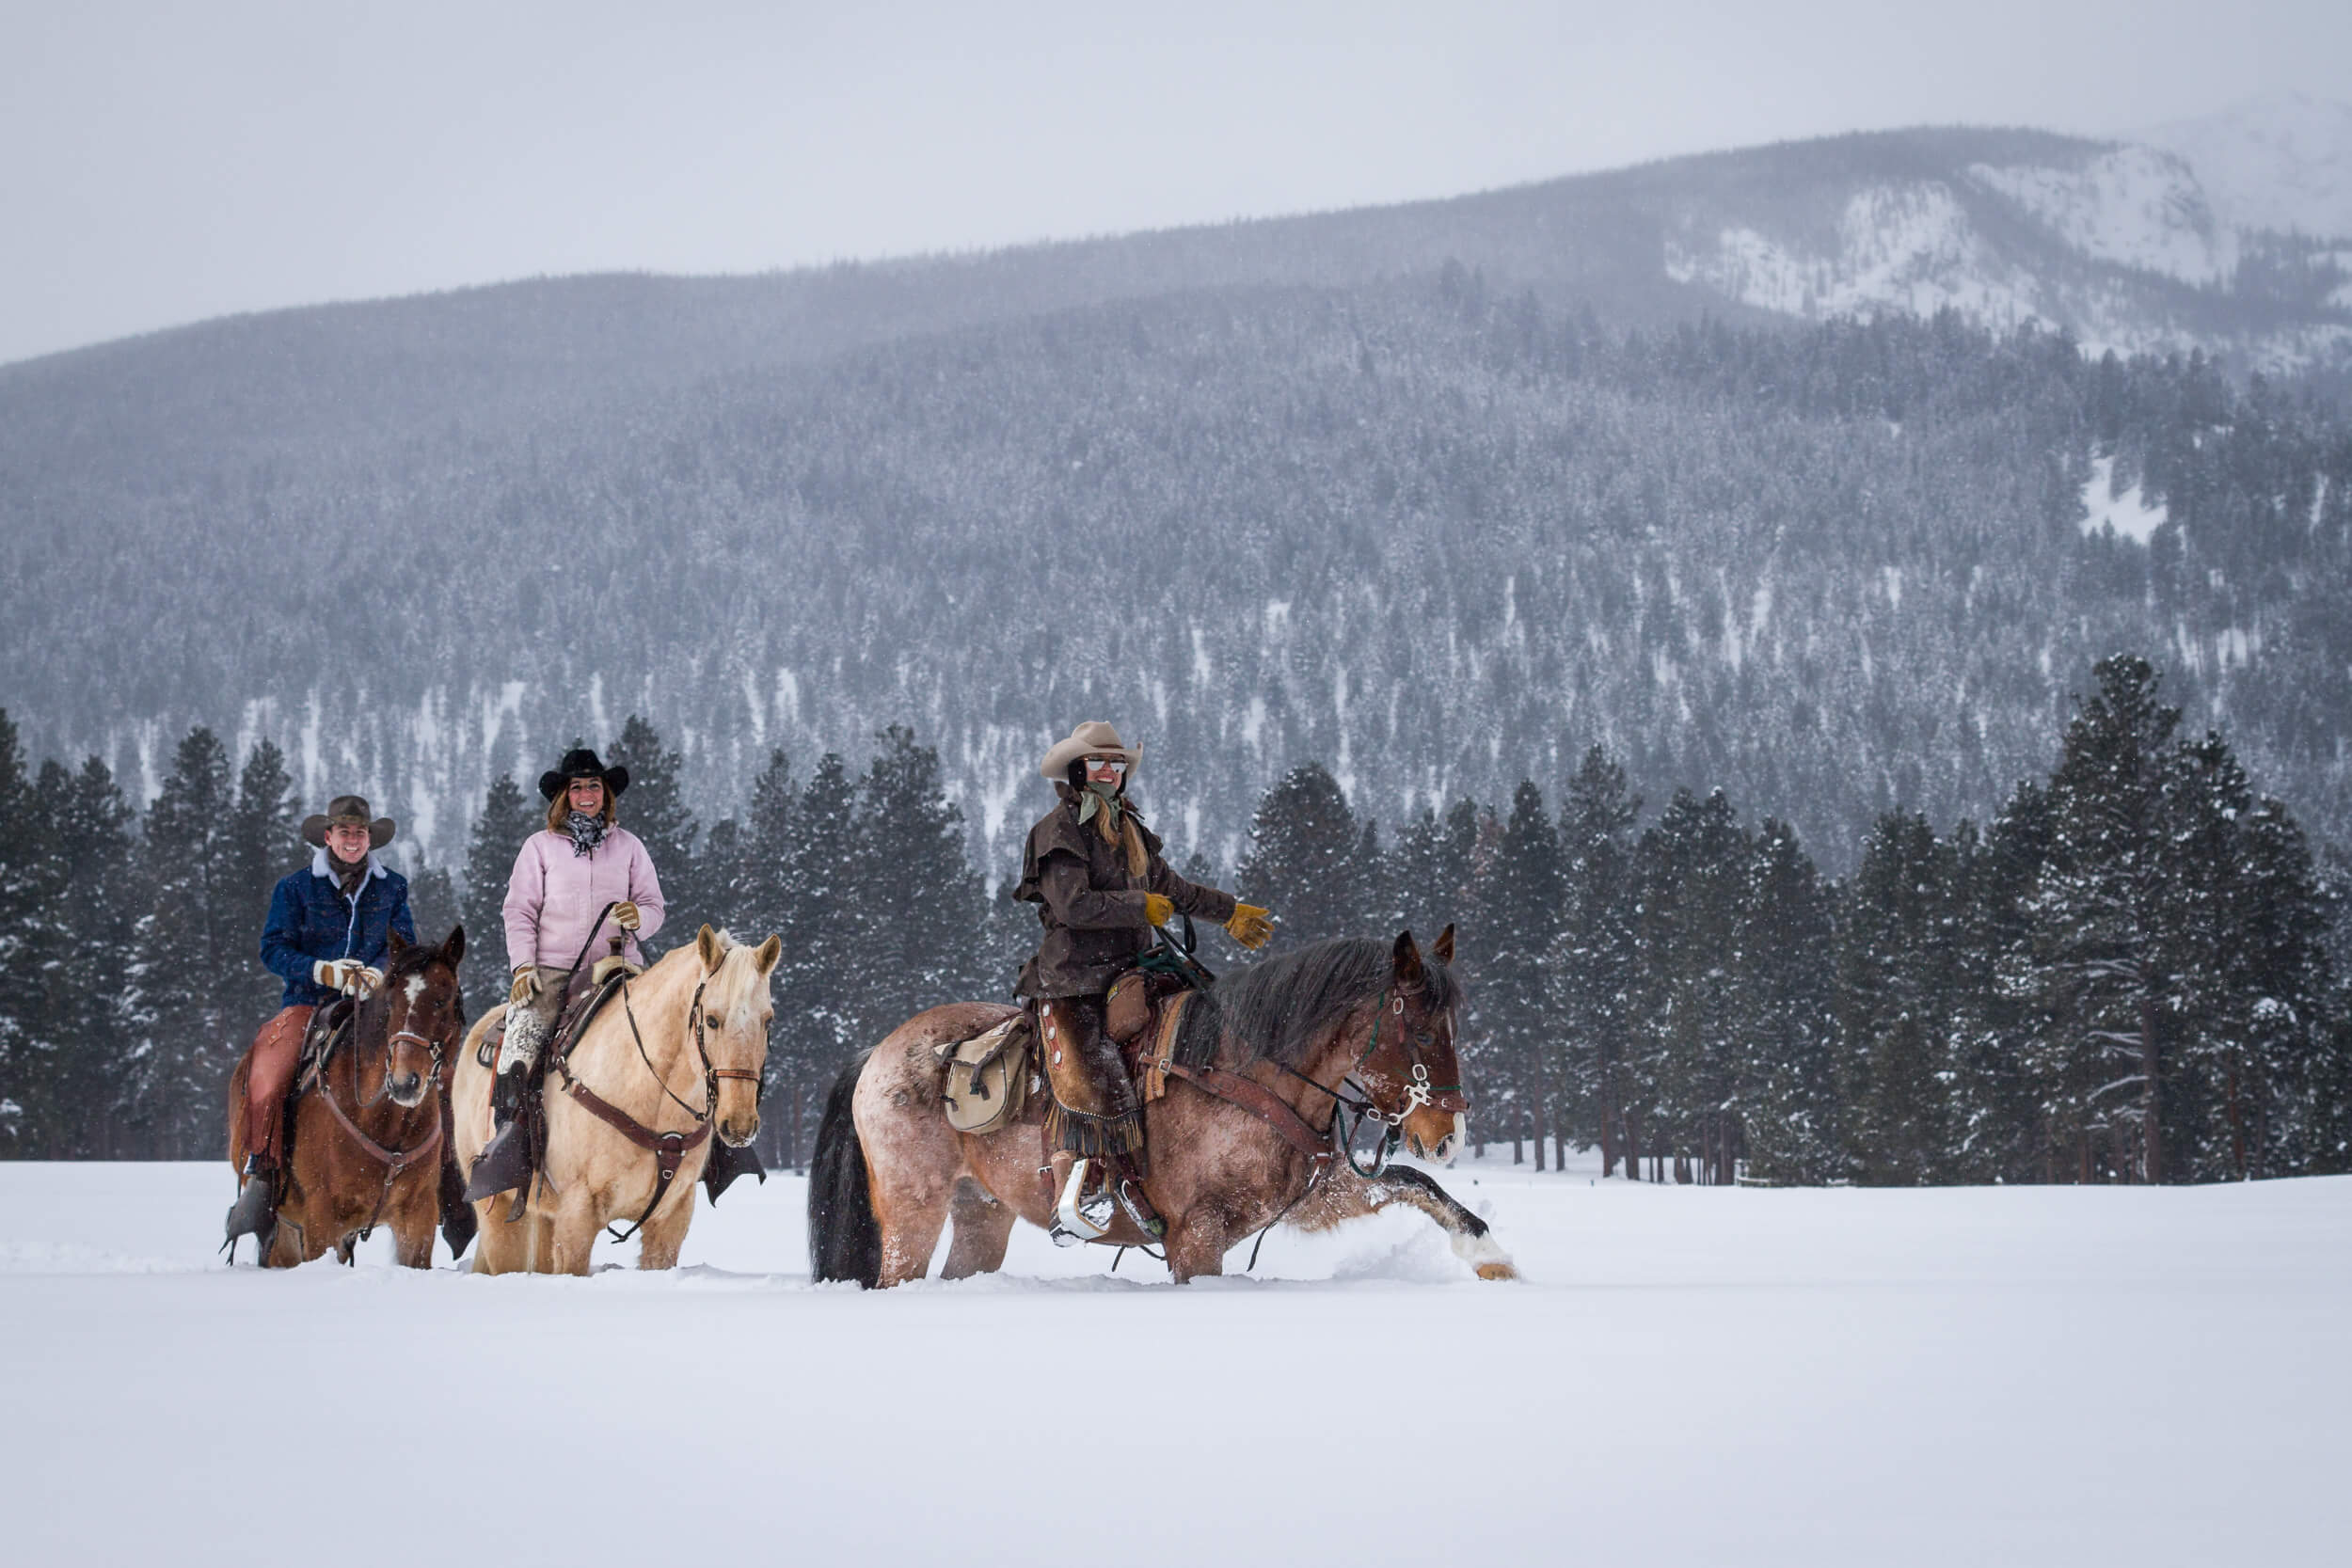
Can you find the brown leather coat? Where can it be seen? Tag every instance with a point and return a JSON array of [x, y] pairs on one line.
[[1092, 906]]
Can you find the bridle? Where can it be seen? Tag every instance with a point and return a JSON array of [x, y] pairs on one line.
[[1354, 1102], [395, 1161], [669, 1149]]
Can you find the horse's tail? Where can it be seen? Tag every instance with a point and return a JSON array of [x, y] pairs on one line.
[[844, 1243]]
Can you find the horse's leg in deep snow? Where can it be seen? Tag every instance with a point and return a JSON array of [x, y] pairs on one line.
[[571, 1234], [665, 1233], [1346, 1196], [983, 1228]]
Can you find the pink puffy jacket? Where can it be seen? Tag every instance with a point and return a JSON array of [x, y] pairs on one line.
[[555, 895]]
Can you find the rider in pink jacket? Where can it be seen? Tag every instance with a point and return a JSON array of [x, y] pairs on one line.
[[562, 881]]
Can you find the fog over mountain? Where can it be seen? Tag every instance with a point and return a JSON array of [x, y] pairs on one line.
[[1438, 494]]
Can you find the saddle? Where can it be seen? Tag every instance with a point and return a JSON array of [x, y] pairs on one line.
[[1143, 1012]]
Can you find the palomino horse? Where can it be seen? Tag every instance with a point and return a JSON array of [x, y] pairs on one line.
[[632, 1109], [1269, 1060], [367, 1146]]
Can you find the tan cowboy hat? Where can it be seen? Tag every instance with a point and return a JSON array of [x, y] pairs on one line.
[[1093, 738], [348, 810]]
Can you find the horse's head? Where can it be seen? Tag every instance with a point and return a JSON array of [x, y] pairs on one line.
[[736, 1009], [1411, 1067], [424, 1015]]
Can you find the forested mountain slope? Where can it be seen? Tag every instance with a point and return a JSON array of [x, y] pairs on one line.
[[1430, 531]]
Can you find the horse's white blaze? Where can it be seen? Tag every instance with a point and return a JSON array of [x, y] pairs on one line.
[[415, 989]]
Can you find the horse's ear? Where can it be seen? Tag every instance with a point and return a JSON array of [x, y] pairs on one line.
[[1443, 948], [770, 950], [1408, 970], [454, 948], [397, 945], [707, 944]]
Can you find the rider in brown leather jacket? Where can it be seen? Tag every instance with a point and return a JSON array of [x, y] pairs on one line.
[[1101, 885]]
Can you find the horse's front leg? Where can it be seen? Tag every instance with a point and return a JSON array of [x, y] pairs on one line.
[[572, 1232], [1196, 1244], [664, 1234], [1346, 1196]]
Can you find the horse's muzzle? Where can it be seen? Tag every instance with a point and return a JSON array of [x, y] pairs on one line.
[[407, 1089], [1445, 1148], [735, 1136]]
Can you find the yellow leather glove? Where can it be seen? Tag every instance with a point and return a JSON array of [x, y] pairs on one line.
[[340, 974], [1157, 908], [367, 982], [625, 915], [525, 986], [1249, 925]]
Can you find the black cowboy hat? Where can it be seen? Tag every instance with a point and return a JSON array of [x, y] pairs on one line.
[[347, 811], [581, 763]]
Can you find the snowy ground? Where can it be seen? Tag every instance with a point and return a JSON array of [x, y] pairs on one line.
[[1718, 1375]]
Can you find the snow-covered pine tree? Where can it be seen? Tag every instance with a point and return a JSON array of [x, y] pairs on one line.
[[1513, 1060], [2104, 955], [508, 817], [1591, 967], [195, 948], [655, 810], [1302, 864], [76, 936], [1783, 1120], [1893, 1004], [921, 902]]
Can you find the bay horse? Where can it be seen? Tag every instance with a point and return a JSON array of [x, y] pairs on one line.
[[676, 1057], [1268, 1060], [368, 1130]]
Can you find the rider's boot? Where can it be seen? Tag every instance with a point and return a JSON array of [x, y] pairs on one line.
[[255, 1213], [1083, 1212], [505, 1164]]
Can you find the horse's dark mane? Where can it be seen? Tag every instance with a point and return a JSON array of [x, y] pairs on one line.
[[1280, 1011]]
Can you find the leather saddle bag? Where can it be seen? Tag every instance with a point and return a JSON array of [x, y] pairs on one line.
[[988, 1076]]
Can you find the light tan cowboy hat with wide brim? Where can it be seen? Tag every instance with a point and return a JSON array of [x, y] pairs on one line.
[[348, 810], [1093, 738]]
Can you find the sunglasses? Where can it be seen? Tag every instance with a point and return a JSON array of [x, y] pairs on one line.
[[1113, 765]]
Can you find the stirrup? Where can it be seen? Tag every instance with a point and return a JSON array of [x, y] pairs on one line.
[[1079, 1215], [252, 1212], [1138, 1207]]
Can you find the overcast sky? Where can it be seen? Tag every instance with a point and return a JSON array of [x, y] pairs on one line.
[[164, 163]]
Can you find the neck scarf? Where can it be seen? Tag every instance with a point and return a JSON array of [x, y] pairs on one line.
[[1105, 799], [348, 878], [587, 829]]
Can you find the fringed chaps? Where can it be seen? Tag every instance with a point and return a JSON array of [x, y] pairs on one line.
[[1094, 1114]]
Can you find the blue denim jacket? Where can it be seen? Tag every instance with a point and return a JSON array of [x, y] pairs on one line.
[[309, 919]]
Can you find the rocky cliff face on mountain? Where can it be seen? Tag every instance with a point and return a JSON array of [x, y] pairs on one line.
[[1436, 494]]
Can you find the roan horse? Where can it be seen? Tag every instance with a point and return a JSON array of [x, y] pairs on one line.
[[367, 1147], [1247, 1133], [677, 1055]]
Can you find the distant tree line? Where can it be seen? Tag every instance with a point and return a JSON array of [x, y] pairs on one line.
[[2130, 974]]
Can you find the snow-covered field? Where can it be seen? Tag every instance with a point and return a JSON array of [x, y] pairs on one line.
[[1686, 1375]]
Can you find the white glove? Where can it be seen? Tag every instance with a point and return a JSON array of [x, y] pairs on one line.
[[368, 982], [337, 974]]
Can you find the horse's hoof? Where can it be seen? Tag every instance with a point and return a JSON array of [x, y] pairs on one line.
[[1497, 1270]]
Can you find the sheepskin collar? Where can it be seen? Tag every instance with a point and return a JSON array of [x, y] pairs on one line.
[[322, 864]]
